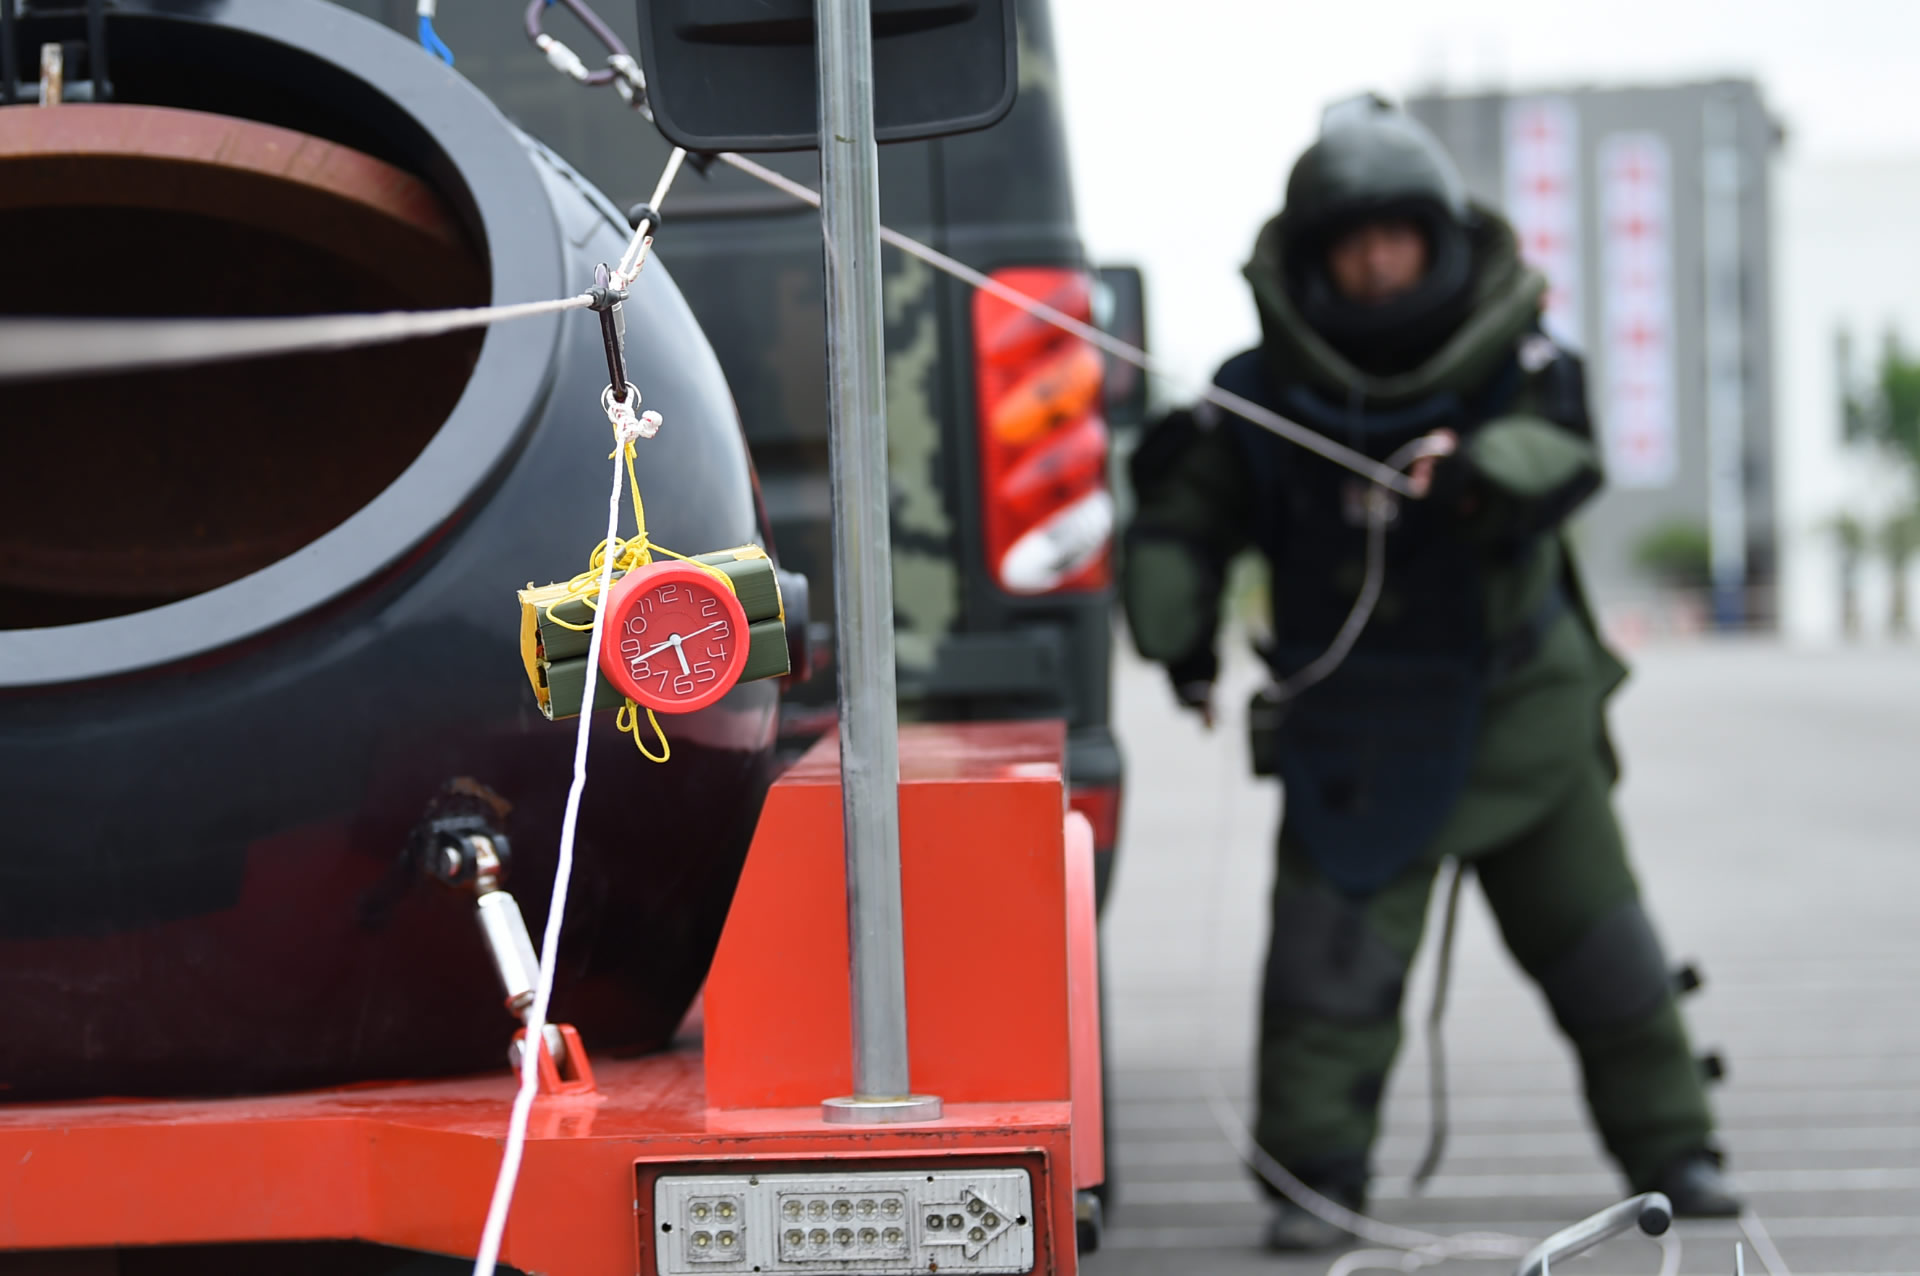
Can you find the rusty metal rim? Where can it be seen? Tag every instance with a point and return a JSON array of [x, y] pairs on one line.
[[67, 136]]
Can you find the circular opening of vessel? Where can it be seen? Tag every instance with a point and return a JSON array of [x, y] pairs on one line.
[[122, 493]]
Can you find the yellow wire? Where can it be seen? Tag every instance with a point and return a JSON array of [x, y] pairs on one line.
[[628, 556], [629, 721]]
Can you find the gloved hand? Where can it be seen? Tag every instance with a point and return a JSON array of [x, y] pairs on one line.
[[1197, 696], [1446, 478], [1443, 444]]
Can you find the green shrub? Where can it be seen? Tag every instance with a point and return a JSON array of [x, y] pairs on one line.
[[1677, 553]]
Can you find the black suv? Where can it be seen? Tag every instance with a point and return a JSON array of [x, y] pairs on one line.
[[998, 424]]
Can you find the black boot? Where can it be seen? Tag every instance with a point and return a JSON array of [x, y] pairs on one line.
[[1293, 1229], [1699, 1187]]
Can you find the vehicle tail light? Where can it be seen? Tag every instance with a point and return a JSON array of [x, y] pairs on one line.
[[1043, 442], [1101, 805]]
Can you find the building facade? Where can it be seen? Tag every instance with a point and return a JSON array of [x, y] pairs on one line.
[[1649, 211]]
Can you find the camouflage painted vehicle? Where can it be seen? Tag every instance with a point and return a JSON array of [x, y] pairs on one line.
[[996, 424]]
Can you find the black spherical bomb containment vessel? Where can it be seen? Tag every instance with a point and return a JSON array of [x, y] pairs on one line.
[[258, 638]]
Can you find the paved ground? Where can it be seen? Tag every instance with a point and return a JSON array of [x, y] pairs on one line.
[[1772, 798]]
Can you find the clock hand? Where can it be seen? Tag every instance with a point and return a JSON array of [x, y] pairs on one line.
[[715, 625], [680, 651], [648, 654]]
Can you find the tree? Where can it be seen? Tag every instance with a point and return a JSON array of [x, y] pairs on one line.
[[1886, 413], [1899, 541], [1852, 536]]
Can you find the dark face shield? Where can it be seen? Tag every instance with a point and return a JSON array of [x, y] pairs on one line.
[[1397, 333]]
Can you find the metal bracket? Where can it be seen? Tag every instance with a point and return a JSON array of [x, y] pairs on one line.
[[56, 57], [459, 846], [564, 1067]]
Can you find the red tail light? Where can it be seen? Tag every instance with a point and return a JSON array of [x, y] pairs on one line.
[[1043, 441], [1101, 805]]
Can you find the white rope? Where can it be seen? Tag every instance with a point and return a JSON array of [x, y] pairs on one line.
[[35, 349], [47, 348], [1763, 1245], [1481, 1245], [627, 427], [1292, 431], [1671, 1251], [1322, 667], [489, 1255], [636, 255], [1381, 508]]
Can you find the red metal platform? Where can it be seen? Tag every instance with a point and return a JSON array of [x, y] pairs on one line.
[[1003, 1021]]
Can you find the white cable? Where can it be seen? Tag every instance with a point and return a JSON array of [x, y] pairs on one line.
[[1670, 1251], [489, 1255], [627, 427], [1484, 1245], [1379, 510], [42, 349], [636, 255], [1266, 419], [1763, 1245], [35, 349], [1376, 1260]]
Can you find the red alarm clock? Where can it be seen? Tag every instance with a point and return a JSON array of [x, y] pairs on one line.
[[676, 637]]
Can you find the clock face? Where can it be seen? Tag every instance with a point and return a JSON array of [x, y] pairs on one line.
[[676, 638]]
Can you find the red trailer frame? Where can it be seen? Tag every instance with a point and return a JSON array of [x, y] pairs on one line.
[[1003, 1015]]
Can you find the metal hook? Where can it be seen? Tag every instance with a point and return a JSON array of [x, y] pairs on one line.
[[606, 300]]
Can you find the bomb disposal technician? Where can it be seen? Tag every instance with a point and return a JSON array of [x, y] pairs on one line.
[[1468, 720]]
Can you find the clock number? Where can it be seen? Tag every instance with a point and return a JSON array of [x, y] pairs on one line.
[[716, 653], [703, 669], [683, 686], [664, 675], [668, 593], [640, 669], [636, 624], [709, 609]]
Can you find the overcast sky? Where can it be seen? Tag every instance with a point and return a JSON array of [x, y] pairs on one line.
[[1185, 117]]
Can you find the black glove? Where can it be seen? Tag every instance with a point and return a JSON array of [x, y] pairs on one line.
[[1192, 677], [1197, 696]]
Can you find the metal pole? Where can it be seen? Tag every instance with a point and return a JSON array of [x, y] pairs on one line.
[[1726, 363], [862, 567]]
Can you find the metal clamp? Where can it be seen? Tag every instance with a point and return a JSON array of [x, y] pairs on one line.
[[606, 303], [621, 71]]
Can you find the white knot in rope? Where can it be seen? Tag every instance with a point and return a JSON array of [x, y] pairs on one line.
[[627, 424]]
